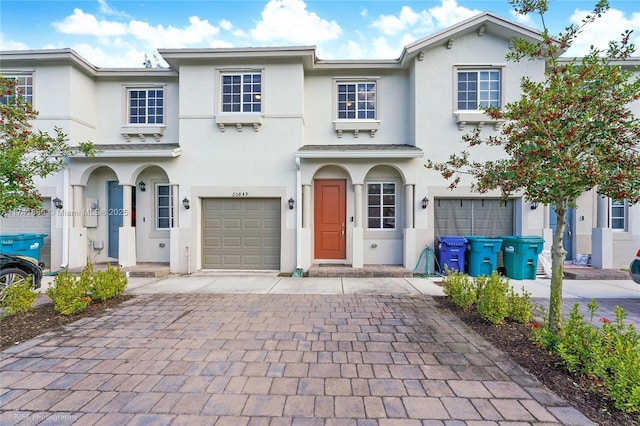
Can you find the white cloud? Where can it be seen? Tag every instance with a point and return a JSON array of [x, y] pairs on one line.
[[394, 24], [523, 19], [11, 44], [197, 32], [599, 33], [81, 23], [450, 13], [290, 21], [108, 10]]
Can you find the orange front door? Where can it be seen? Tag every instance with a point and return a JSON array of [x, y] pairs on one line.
[[330, 219]]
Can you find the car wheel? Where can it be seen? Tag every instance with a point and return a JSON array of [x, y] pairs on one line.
[[9, 277]]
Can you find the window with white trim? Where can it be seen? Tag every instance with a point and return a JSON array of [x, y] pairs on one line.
[[24, 88], [356, 100], [618, 215], [164, 206], [145, 105], [242, 92], [477, 89], [381, 205]]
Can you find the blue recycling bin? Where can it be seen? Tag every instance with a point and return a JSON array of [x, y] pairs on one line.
[[520, 256], [482, 255], [451, 252], [22, 244]]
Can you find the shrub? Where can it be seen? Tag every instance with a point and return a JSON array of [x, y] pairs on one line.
[[520, 306], [492, 304], [581, 343], [108, 284], [622, 346], [460, 288], [19, 297], [611, 353], [70, 294]]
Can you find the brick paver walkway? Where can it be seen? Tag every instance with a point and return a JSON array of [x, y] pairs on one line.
[[271, 360]]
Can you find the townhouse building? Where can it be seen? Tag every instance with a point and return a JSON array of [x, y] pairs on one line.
[[274, 159]]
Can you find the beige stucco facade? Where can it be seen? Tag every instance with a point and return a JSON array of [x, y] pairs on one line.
[[281, 152]]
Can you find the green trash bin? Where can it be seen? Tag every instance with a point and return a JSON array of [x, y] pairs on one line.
[[482, 255], [520, 256]]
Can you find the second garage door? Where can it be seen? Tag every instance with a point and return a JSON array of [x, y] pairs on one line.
[[485, 217], [241, 233]]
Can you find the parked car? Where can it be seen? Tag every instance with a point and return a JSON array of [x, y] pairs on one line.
[[15, 269], [634, 268]]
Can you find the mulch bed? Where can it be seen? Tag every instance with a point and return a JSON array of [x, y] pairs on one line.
[[21, 327]]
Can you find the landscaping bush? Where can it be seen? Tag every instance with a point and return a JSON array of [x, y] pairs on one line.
[[19, 297], [520, 306], [460, 288], [493, 305], [70, 295], [611, 353], [108, 284]]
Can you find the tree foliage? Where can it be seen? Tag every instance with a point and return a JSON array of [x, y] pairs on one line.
[[26, 153], [567, 134]]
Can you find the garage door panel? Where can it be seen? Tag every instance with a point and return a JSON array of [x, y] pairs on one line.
[[249, 229], [486, 217]]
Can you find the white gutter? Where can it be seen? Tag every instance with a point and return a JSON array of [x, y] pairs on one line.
[[298, 214], [65, 218]]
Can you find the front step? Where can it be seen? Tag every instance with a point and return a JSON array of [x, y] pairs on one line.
[[369, 271]]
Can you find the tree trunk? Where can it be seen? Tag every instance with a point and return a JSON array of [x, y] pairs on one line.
[[558, 255]]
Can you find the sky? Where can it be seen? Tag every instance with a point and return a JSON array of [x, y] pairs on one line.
[[119, 33]]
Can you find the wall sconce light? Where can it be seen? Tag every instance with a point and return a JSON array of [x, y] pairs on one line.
[[57, 202], [142, 186], [425, 202], [534, 205], [185, 203], [291, 202]]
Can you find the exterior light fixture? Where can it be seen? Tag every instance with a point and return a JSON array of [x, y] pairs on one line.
[[534, 205], [57, 202], [291, 202], [185, 203], [425, 202], [142, 186]]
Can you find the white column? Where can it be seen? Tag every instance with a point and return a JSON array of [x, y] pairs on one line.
[[306, 206], [357, 191], [409, 206], [127, 233], [603, 212], [78, 206]]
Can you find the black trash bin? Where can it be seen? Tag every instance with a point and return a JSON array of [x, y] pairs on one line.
[[451, 252]]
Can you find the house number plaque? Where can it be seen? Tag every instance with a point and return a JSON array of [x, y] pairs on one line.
[[239, 194]]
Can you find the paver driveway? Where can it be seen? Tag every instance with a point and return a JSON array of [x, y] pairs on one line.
[[272, 359]]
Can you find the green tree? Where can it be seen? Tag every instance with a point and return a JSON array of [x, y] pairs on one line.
[[25, 153], [567, 134]]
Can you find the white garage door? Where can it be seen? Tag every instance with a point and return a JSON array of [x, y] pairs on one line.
[[485, 217], [29, 222], [241, 233]]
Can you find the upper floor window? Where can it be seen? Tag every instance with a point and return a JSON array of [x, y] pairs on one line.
[[242, 92], [381, 205], [478, 89], [357, 100], [24, 88], [618, 215], [146, 105], [164, 206]]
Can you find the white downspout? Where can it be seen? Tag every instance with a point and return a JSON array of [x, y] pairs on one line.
[[65, 218], [298, 214]]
